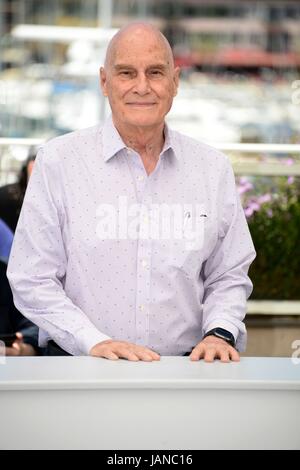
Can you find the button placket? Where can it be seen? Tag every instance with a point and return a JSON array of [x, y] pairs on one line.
[[143, 274], [144, 246]]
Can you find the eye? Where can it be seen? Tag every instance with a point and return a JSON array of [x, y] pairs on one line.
[[125, 74], [155, 73]]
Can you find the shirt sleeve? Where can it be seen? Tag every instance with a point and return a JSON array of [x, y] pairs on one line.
[[225, 273], [37, 264]]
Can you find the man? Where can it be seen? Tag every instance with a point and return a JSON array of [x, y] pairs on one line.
[[86, 267]]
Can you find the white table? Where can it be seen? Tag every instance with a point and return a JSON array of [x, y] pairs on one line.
[[90, 403]]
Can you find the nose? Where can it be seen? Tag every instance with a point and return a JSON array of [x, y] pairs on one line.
[[142, 86]]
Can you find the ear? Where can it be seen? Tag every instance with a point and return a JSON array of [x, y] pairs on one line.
[[103, 81], [176, 79]]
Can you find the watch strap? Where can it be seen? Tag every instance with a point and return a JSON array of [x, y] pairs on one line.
[[222, 334]]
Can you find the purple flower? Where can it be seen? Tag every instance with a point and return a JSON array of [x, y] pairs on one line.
[[244, 188], [264, 198], [248, 212], [290, 180], [243, 180], [253, 207]]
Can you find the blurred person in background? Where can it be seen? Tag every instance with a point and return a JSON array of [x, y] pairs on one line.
[[11, 320], [93, 291], [12, 195]]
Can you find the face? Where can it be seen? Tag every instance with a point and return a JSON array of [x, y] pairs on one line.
[[140, 81]]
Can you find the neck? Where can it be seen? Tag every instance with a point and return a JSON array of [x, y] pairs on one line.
[[145, 141]]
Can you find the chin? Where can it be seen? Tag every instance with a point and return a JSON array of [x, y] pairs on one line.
[[144, 121], [143, 117]]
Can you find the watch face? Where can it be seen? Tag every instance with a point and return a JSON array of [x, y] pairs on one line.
[[220, 335], [224, 334]]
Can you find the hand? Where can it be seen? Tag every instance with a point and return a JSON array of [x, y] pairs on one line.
[[114, 350], [211, 348], [19, 348]]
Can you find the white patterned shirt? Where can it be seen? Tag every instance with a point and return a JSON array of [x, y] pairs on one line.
[[103, 250]]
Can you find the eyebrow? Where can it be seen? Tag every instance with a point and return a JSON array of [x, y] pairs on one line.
[[131, 67]]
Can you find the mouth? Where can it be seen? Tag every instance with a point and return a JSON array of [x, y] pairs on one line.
[[140, 105]]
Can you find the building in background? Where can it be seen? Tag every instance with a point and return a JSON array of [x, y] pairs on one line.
[[236, 57], [204, 33]]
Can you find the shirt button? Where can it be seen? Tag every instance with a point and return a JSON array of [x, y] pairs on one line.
[[142, 307], [144, 263], [141, 178]]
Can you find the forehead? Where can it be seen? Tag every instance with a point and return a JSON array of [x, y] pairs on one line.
[[141, 48]]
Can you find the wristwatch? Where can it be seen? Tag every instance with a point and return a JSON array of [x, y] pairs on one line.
[[223, 334]]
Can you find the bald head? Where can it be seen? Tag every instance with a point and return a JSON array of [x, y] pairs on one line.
[[137, 32]]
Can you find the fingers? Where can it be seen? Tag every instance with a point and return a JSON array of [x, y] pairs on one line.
[[197, 353], [124, 352], [15, 350], [148, 356], [133, 352], [110, 355], [209, 353], [114, 350], [16, 346], [234, 355]]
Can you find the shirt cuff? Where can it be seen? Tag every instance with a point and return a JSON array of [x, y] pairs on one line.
[[240, 335], [88, 338]]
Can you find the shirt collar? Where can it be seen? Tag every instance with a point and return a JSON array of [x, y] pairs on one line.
[[111, 140], [171, 142], [113, 143]]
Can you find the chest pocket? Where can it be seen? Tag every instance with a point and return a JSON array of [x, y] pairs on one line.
[[186, 252]]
